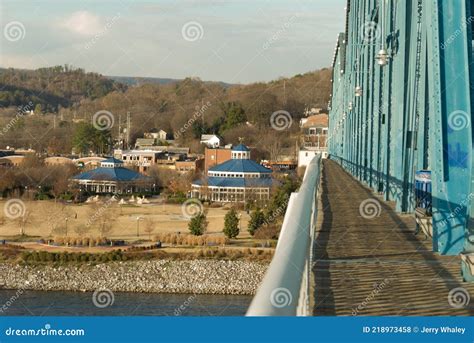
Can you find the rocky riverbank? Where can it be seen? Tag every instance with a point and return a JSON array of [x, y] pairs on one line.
[[160, 276]]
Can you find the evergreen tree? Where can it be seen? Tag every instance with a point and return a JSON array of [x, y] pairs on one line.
[[87, 137], [198, 224], [234, 115], [280, 198], [231, 224], [257, 219]]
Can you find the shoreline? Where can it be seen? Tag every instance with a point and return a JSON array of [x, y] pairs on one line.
[[155, 276]]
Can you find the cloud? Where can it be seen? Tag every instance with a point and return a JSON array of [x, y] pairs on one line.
[[83, 23]]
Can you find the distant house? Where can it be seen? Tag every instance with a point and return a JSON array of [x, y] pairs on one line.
[[157, 135], [162, 135], [212, 141]]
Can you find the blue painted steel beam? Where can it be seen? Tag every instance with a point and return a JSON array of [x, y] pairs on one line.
[[414, 113]]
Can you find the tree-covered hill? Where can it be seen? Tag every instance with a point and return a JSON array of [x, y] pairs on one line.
[[188, 107], [53, 87]]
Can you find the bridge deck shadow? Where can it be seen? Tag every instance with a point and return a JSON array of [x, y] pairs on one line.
[[373, 264]]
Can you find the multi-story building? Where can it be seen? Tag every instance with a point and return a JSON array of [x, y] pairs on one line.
[[314, 138], [190, 165], [168, 157], [140, 159], [315, 131], [238, 179], [216, 156]]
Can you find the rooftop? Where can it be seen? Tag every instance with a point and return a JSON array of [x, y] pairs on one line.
[[118, 174], [240, 147], [240, 166], [318, 120], [207, 137]]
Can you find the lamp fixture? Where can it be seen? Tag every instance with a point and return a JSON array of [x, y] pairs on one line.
[[382, 57]]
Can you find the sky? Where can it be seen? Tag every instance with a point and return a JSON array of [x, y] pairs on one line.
[[235, 41]]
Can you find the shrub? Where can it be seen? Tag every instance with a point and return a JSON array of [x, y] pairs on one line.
[[221, 254], [181, 239], [50, 257], [35, 256], [59, 240], [267, 232], [173, 240], [43, 256], [85, 241], [25, 255], [64, 257]]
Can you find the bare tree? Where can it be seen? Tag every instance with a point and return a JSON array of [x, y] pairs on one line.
[[273, 146], [57, 214], [23, 221], [82, 230], [149, 225], [102, 217]]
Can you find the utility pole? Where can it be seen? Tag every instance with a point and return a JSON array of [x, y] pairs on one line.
[[120, 138], [202, 105], [129, 125]]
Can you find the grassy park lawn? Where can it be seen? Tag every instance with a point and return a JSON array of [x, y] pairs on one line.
[[47, 220]]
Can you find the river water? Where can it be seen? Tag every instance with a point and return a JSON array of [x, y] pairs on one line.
[[38, 303]]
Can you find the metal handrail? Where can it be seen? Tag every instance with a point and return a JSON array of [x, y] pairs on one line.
[[285, 288]]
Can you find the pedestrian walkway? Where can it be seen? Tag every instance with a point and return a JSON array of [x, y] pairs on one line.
[[368, 261]]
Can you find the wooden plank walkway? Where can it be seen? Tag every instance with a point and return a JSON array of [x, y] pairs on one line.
[[377, 266]]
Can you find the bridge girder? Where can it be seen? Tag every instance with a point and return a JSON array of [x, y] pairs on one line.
[[401, 102]]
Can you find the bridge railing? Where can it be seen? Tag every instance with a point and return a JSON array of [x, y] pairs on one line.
[[285, 289]]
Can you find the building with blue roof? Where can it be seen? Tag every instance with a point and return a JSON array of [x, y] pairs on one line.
[[112, 177], [239, 179]]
